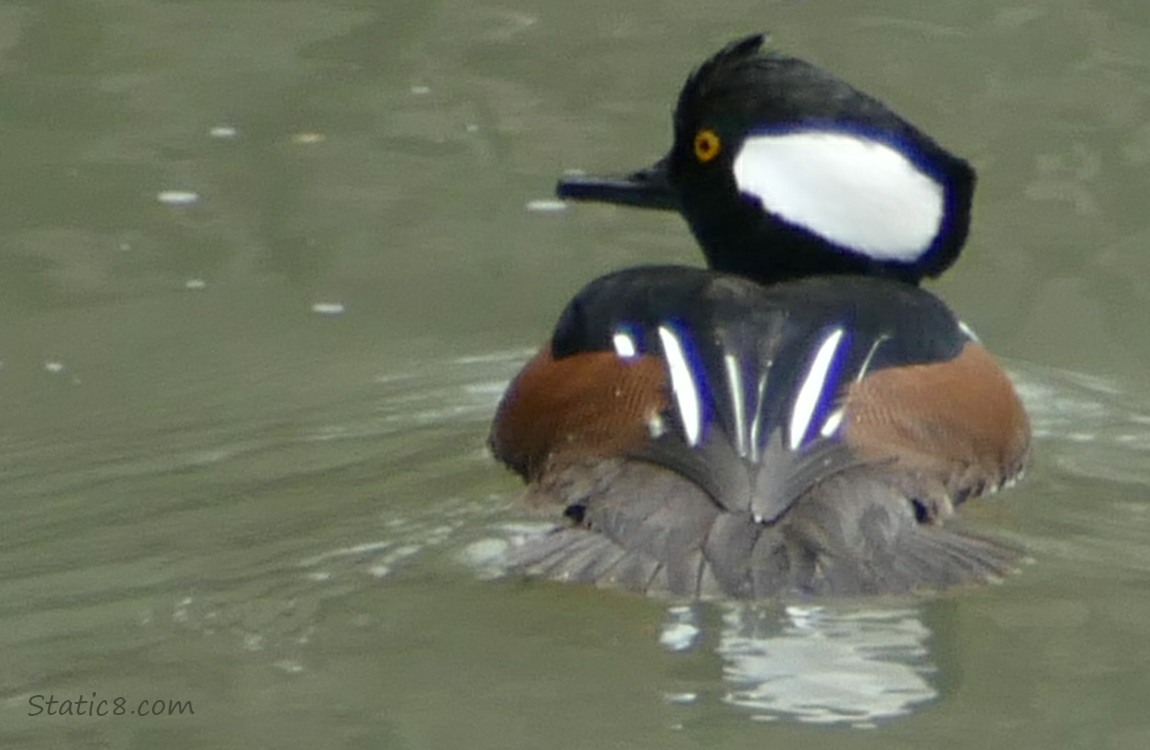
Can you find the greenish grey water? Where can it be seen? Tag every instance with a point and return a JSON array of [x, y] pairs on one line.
[[213, 492]]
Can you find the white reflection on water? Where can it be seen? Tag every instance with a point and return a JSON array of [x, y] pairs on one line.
[[380, 557], [824, 666], [681, 630], [828, 664]]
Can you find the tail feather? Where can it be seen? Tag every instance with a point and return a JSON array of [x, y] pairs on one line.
[[651, 530]]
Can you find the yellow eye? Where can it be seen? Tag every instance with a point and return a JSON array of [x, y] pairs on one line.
[[707, 145]]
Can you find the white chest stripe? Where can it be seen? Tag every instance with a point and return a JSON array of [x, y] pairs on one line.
[[858, 193], [682, 385], [812, 388]]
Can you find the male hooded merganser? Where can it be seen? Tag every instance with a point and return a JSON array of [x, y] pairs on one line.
[[800, 418]]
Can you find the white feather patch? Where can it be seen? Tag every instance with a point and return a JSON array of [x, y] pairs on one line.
[[735, 383], [969, 332], [624, 344], [812, 388], [834, 421], [682, 385], [760, 391], [858, 193]]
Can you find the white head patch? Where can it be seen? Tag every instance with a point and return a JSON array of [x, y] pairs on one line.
[[856, 192]]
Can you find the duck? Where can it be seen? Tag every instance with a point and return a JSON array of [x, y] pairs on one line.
[[798, 418]]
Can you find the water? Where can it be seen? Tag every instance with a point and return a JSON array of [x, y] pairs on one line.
[[266, 266]]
